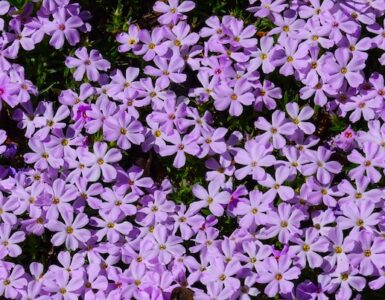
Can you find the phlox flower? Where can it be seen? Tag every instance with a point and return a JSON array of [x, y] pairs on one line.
[[212, 198], [88, 64], [71, 231], [172, 11], [278, 275]]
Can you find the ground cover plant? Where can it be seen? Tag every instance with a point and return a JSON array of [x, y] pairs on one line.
[[192, 149]]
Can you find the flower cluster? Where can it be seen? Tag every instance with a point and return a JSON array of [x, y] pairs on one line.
[[284, 209]]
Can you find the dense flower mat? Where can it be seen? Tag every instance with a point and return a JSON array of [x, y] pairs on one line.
[[198, 156]]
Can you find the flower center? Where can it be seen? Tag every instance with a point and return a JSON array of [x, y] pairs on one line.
[[123, 131], [360, 223], [344, 276], [177, 43], [338, 250], [110, 225], [278, 276]]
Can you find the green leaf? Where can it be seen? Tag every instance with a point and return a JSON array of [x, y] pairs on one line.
[[18, 3]]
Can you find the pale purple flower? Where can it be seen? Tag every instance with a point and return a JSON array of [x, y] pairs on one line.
[[308, 249], [211, 198], [367, 162], [9, 241], [299, 117], [274, 131], [12, 283], [71, 232], [180, 146], [173, 11], [101, 162], [166, 246], [278, 275], [320, 165], [128, 40], [89, 64], [233, 97]]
